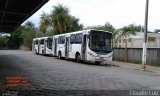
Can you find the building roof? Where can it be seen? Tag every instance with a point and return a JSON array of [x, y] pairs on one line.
[[140, 35], [14, 12]]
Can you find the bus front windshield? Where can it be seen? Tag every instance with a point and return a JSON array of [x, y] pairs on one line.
[[100, 41], [49, 45]]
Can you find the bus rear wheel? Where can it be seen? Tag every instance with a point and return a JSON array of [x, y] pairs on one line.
[[59, 55], [78, 58], [43, 52], [35, 52]]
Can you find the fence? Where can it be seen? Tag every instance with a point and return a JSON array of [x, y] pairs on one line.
[[135, 55]]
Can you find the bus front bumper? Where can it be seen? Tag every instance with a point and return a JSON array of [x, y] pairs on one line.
[[108, 60]]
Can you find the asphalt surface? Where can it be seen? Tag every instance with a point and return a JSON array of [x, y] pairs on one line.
[[49, 76]]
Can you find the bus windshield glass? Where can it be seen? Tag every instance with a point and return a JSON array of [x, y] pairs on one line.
[[100, 41], [49, 45]]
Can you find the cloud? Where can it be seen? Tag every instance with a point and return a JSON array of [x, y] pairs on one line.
[[97, 12]]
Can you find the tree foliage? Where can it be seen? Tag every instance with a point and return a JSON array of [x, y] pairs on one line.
[[62, 21], [128, 30], [60, 18], [3, 43], [106, 27], [45, 23], [15, 40], [28, 33]]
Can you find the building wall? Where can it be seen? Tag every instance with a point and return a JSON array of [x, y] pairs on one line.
[[136, 41], [135, 55]]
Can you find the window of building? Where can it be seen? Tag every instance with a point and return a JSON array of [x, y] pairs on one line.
[[129, 39], [151, 39]]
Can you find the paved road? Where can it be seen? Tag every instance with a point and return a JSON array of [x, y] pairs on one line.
[[49, 73]]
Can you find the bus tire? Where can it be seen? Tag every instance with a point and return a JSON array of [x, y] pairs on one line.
[[98, 62], [78, 58], [59, 55], [43, 52], [35, 52]]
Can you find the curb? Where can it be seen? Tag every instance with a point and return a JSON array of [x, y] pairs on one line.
[[137, 68]]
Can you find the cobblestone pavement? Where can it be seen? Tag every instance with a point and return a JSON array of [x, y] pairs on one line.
[[48, 74]]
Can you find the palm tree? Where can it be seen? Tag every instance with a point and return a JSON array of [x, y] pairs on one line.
[[127, 31], [29, 24], [44, 22], [60, 18]]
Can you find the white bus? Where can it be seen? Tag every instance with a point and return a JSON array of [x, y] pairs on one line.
[[35, 45], [85, 45], [42, 45]]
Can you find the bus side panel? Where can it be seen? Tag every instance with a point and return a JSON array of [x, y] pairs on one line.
[[45, 46], [77, 48], [61, 48], [53, 47]]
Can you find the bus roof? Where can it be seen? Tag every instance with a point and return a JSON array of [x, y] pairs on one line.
[[81, 31]]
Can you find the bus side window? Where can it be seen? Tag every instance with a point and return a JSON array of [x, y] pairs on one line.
[[61, 40], [36, 41], [72, 38], [42, 41], [78, 38]]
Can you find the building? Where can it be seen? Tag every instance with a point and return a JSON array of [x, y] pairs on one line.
[[136, 41], [4, 34]]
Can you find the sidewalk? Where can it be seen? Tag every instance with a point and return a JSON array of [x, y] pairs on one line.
[[136, 66]]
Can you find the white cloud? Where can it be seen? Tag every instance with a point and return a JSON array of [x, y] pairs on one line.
[[117, 12]]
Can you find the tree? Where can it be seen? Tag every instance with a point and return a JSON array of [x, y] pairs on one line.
[[3, 43], [61, 19], [28, 33], [74, 26], [42, 26], [127, 31], [15, 40], [45, 23]]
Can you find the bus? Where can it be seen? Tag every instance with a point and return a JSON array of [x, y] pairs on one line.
[[42, 45], [86, 45], [35, 45]]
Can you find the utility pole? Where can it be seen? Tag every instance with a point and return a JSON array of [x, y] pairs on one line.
[[144, 56]]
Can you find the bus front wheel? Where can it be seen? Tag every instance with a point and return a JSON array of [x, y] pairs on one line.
[[97, 62]]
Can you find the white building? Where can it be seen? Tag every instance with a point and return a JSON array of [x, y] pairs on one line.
[[136, 41], [4, 34]]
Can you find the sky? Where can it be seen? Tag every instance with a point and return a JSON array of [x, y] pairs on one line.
[[97, 12]]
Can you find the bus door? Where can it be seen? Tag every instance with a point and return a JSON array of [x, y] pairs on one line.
[[55, 46], [38, 46], [84, 41], [45, 45], [67, 47]]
